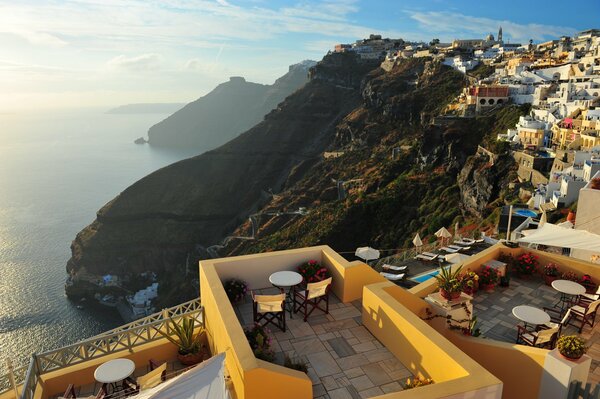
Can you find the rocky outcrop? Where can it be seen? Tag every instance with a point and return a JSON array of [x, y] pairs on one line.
[[230, 109], [481, 181]]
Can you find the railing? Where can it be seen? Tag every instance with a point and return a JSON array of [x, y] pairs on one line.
[[577, 390], [122, 338]]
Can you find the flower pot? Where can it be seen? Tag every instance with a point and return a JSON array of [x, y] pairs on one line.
[[573, 359], [549, 279], [190, 359], [470, 291], [488, 287], [450, 296]]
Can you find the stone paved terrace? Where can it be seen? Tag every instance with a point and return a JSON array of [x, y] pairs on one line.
[[344, 360], [496, 321]]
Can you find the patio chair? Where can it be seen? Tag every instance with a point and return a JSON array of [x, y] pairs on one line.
[[539, 338], [313, 296], [557, 319], [392, 276], [590, 297], [269, 309], [157, 374], [585, 312], [70, 392], [395, 268]]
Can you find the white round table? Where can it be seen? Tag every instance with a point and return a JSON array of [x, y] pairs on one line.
[[286, 279], [114, 371], [530, 315], [567, 289]]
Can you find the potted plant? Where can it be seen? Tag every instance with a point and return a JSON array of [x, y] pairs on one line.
[[550, 273], [235, 289], [449, 282], [191, 346], [572, 276], [588, 283], [312, 271], [488, 277], [571, 347], [260, 341], [296, 364], [526, 264], [417, 382], [595, 183], [469, 281]]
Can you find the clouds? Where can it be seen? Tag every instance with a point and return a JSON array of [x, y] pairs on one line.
[[451, 25], [139, 63]]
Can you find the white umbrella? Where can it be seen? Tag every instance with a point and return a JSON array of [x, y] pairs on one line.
[[543, 220], [456, 230], [443, 233], [456, 258], [418, 243], [367, 253]]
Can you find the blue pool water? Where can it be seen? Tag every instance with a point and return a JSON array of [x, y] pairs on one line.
[[425, 277], [526, 213]]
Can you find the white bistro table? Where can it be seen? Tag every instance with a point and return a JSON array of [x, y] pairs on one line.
[[287, 280], [114, 371], [567, 289], [530, 315]]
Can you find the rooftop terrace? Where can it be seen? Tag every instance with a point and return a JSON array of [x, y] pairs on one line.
[[344, 359]]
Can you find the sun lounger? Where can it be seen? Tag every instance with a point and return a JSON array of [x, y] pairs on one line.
[[465, 241], [459, 248], [425, 257], [430, 254], [391, 267], [449, 250], [392, 277]]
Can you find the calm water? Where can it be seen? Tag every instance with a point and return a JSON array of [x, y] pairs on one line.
[[56, 171]]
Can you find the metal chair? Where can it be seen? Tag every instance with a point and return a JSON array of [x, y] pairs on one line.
[[269, 309], [313, 296], [540, 338], [585, 312]]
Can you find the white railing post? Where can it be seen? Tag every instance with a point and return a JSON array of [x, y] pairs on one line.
[[11, 376]]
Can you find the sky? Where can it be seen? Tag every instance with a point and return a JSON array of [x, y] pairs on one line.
[[64, 54]]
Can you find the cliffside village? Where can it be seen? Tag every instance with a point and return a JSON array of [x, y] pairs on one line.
[[557, 145]]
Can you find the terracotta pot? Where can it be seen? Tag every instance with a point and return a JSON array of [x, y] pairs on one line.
[[488, 287], [549, 279], [191, 358], [573, 359], [470, 291], [449, 295]]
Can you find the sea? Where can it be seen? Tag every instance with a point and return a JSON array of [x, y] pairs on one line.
[[57, 168]]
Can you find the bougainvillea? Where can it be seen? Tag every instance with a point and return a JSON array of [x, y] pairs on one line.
[[312, 271], [527, 264]]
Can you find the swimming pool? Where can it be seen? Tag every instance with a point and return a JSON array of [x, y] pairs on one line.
[[526, 213], [427, 275]]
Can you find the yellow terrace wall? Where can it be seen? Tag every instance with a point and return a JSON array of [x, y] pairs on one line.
[[249, 374], [421, 348]]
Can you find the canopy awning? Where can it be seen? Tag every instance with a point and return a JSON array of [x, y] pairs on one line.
[[555, 236], [205, 381]]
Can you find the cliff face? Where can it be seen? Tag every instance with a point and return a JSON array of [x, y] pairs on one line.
[[230, 109], [158, 221]]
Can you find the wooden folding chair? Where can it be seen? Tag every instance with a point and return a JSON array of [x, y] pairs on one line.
[[313, 296], [269, 309]]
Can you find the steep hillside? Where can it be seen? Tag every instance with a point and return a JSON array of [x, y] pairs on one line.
[[230, 109], [158, 221]]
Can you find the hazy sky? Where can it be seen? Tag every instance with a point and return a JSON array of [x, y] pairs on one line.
[[112, 52]]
